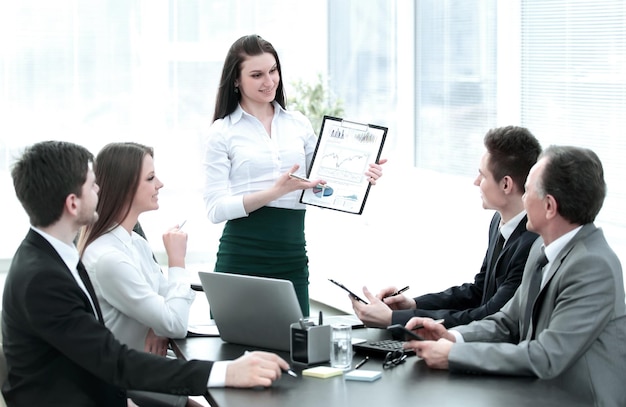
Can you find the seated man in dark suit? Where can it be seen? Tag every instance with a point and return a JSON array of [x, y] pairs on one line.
[[567, 320], [58, 351], [510, 153]]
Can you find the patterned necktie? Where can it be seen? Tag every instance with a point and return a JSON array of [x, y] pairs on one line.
[[533, 290], [82, 273]]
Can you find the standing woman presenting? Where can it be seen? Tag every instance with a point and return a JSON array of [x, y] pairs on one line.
[[251, 148]]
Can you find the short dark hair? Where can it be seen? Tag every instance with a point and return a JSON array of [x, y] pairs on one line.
[[45, 175], [575, 178], [513, 150], [227, 99], [118, 170]]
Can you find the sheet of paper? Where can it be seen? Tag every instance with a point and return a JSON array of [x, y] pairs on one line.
[[209, 329], [343, 154]]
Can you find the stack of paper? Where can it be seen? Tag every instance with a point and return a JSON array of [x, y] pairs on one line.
[[364, 375]]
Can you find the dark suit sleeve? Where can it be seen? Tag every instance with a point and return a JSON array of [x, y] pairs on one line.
[[451, 304], [462, 305], [57, 312]]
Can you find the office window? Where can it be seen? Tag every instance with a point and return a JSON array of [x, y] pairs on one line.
[[362, 58], [455, 85], [141, 70], [574, 84]]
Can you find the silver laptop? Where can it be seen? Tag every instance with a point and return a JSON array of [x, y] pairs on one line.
[[254, 311]]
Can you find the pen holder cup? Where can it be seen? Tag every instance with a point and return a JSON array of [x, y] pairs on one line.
[[311, 345]]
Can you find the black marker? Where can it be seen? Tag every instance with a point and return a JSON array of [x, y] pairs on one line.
[[361, 363]]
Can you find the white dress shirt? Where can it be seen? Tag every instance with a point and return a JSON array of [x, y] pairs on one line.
[[553, 249], [134, 294], [241, 158], [509, 227]]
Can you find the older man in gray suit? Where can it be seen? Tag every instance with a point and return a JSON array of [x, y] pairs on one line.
[[571, 328]]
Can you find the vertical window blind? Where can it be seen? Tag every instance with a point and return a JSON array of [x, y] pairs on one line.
[[455, 91], [574, 83]]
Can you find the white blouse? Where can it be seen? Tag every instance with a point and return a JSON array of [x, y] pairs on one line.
[[241, 158], [133, 292]]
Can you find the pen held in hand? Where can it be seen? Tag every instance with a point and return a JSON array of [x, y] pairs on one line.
[[288, 371], [182, 224], [295, 176], [400, 291]]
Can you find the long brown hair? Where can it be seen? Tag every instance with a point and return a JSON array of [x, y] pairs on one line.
[[249, 45], [118, 170]]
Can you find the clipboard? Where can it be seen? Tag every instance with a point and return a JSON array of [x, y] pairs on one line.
[[343, 153]]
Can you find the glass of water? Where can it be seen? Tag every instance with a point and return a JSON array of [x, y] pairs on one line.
[[341, 346]]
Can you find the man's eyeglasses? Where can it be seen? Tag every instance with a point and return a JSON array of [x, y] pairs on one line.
[[394, 358]]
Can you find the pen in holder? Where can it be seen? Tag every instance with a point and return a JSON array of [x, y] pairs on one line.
[[310, 344]]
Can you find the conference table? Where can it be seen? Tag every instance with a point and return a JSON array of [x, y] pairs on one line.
[[410, 383]]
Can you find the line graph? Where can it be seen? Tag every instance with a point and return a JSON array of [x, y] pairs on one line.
[[343, 164], [344, 151]]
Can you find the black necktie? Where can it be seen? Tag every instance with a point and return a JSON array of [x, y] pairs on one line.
[[82, 273], [489, 286], [496, 250], [533, 290]]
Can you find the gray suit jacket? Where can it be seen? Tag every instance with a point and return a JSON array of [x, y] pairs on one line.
[[580, 326]]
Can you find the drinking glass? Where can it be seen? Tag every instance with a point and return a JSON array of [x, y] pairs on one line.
[[341, 346]]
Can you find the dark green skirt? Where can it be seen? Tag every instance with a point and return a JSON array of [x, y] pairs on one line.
[[268, 243]]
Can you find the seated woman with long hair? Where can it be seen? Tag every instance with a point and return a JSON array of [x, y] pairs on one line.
[[140, 305]]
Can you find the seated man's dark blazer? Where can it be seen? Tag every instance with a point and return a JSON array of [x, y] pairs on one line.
[[59, 354], [491, 289]]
